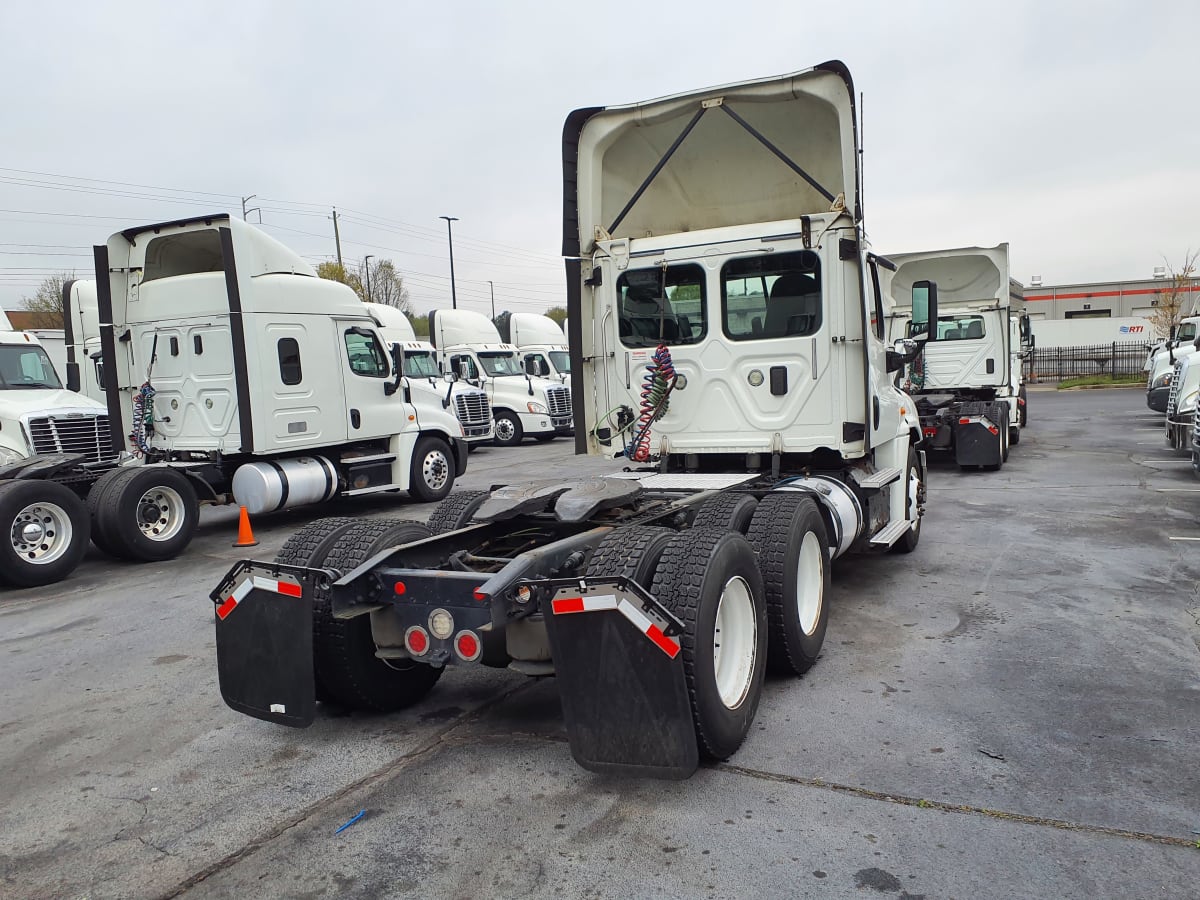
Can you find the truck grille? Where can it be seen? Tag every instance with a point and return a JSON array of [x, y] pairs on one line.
[[472, 409], [72, 434], [559, 400], [1173, 396]]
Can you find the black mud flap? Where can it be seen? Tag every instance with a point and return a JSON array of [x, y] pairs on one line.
[[976, 440], [620, 676], [264, 620]]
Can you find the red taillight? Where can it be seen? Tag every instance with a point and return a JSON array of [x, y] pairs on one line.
[[467, 645], [480, 595], [930, 432], [400, 588], [993, 429], [964, 421], [416, 639]]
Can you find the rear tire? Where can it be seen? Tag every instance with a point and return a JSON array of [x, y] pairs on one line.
[[508, 429], [45, 528], [731, 511], [97, 500], [308, 547], [631, 552], [347, 668], [791, 542], [709, 578], [148, 513], [455, 511], [431, 473]]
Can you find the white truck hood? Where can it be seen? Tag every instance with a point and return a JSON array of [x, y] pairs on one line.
[[761, 151], [17, 403]]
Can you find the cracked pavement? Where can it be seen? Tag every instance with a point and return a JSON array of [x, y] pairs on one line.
[[1012, 710]]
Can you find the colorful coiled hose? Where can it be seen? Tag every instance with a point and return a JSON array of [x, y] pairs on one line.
[[657, 384], [143, 419]]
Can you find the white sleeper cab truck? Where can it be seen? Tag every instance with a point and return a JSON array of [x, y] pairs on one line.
[[523, 405], [541, 344], [54, 444], [430, 388], [1182, 334], [732, 352], [967, 385], [1162, 365], [1182, 394], [233, 374]]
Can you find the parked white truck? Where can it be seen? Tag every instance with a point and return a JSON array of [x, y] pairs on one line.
[[1161, 363], [742, 336], [469, 346], [430, 387], [232, 374], [968, 385], [541, 343]]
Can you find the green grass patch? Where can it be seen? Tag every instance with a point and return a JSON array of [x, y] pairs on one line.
[[1101, 381]]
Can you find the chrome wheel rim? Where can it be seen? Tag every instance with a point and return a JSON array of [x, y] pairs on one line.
[[161, 513], [810, 583], [735, 642], [41, 533], [435, 469], [505, 429]]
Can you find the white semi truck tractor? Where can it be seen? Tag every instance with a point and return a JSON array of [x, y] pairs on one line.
[[524, 405], [231, 374], [541, 344], [968, 385], [430, 388], [727, 345]]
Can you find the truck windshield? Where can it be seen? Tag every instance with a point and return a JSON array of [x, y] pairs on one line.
[[561, 360], [1187, 331], [420, 364], [498, 363], [25, 366]]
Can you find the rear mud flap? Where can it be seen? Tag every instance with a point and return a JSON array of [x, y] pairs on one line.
[[620, 676], [264, 622], [976, 444]]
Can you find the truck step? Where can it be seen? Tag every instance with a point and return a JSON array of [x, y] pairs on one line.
[[890, 534], [880, 478], [374, 489], [377, 457]]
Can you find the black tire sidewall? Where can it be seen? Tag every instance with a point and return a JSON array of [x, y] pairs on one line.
[[14, 497], [118, 515], [426, 445]]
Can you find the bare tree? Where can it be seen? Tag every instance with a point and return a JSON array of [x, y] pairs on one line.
[[1172, 302], [558, 314], [47, 303], [387, 285]]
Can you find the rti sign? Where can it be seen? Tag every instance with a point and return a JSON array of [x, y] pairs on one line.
[[1132, 329]]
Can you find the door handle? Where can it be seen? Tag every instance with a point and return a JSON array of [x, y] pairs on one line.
[[355, 418]]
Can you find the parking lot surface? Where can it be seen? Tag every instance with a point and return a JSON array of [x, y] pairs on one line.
[[1012, 710]]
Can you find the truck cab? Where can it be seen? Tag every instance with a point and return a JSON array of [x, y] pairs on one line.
[[469, 346], [541, 344], [983, 333], [429, 387]]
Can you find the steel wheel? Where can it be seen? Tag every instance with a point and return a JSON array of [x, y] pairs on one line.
[[810, 583], [435, 470], [506, 430], [161, 513], [42, 533], [735, 642]]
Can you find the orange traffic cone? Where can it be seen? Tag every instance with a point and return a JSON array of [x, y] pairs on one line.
[[245, 535]]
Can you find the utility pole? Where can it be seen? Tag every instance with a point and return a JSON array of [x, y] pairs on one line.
[[492, 288], [337, 238], [257, 209], [367, 272], [450, 237]]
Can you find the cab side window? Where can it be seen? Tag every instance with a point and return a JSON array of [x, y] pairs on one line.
[[365, 353]]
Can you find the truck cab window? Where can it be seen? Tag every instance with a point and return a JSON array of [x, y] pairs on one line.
[[661, 307], [289, 360], [771, 296], [500, 364], [958, 328], [183, 254], [561, 360], [420, 364], [365, 353]]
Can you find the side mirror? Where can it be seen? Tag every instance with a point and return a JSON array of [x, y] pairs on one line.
[[398, 367], [543, 368], [531, 366], [924, 309], [450, 378]]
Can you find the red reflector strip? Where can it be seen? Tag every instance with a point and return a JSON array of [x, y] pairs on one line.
[[288, 589], [226, 608], [255, 581], [667, 645], [567, 605], [930, 431], [605, 602], [964, 421]]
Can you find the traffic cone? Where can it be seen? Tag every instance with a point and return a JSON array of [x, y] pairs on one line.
[[245, 535]]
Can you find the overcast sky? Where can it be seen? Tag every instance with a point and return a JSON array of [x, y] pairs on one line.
[[1069, 130]]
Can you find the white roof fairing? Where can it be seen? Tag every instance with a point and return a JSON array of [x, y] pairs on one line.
[[720, 174]]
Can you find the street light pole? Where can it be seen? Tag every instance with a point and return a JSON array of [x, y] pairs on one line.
[[450, 238], [492, 288], [367, 271]]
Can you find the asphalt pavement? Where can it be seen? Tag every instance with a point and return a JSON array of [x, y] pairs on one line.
[[1011, 711]]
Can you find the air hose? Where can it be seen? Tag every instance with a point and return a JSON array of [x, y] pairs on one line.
[[657, 384]]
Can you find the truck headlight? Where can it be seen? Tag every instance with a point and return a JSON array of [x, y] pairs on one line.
[[1187, 403], [8, 457], [537, 408], [1163, 380]]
